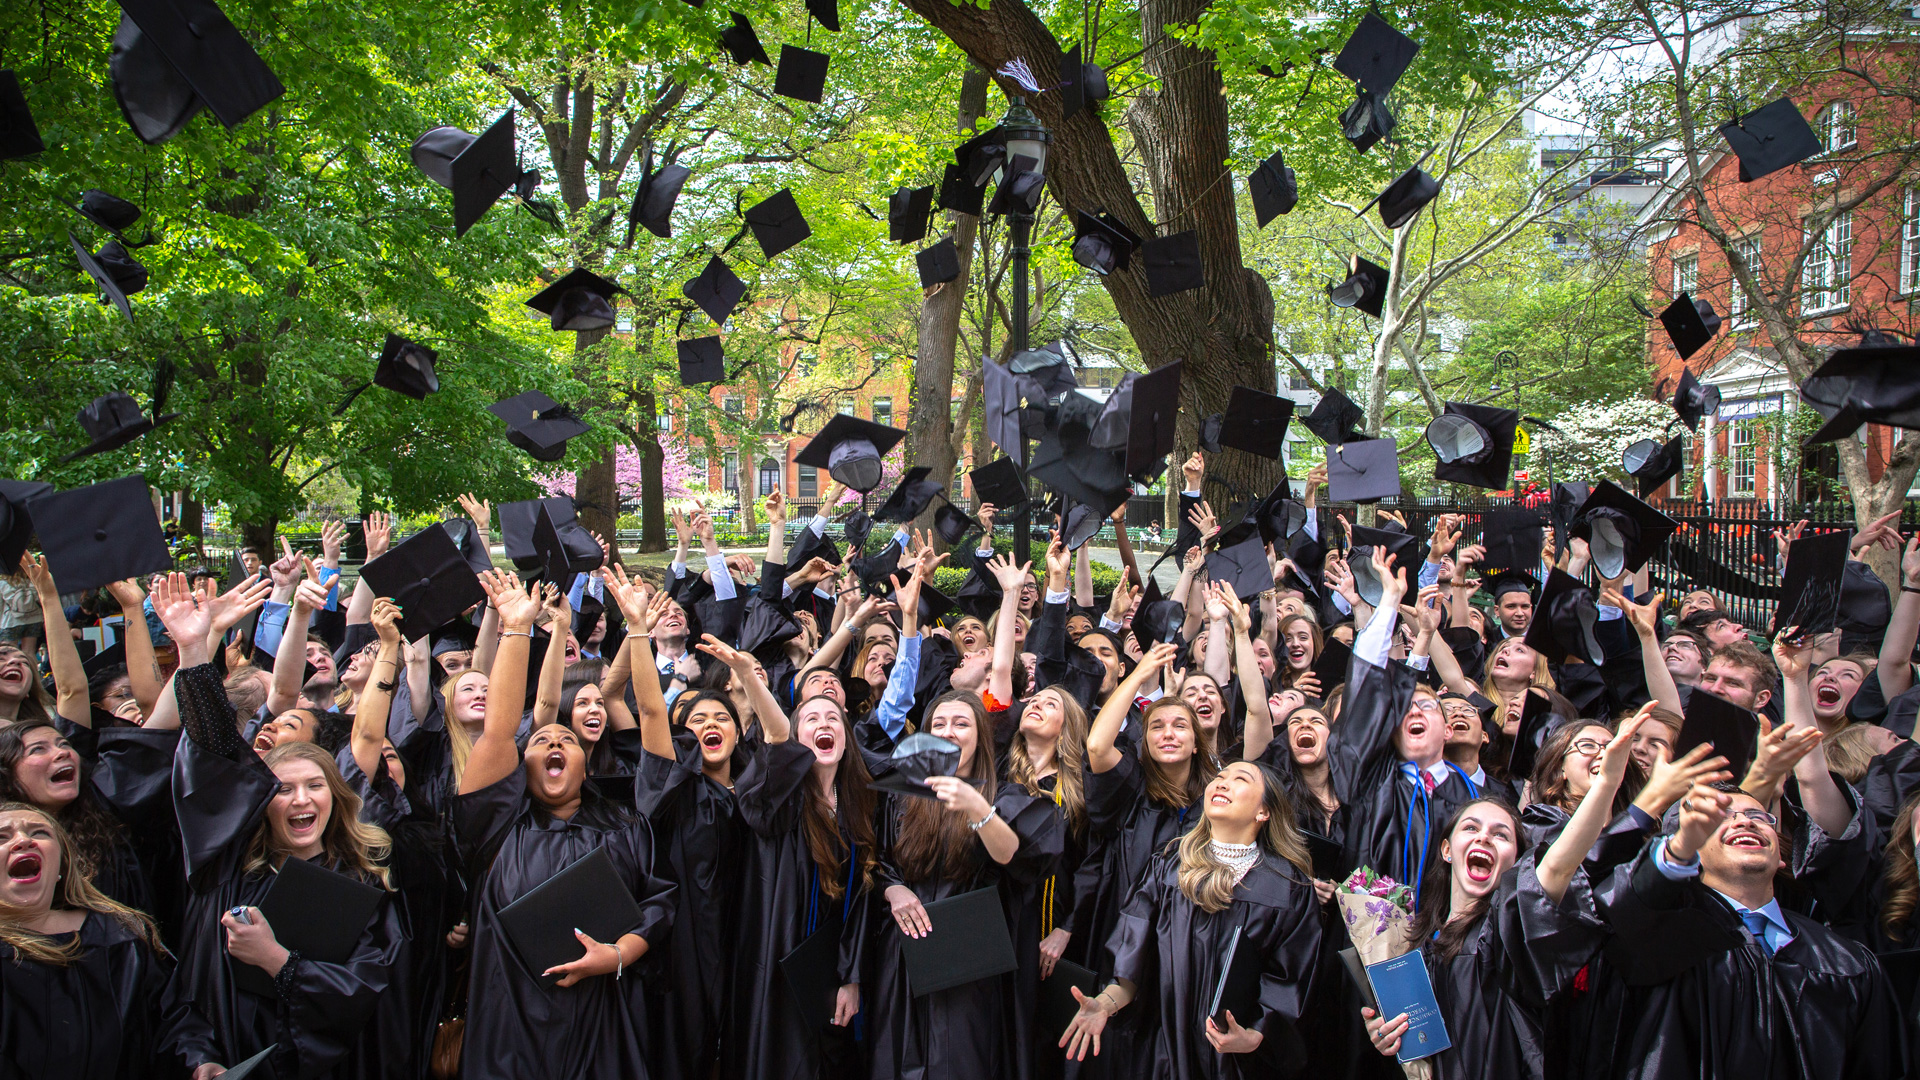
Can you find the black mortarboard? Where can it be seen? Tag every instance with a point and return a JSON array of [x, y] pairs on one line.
[[1157, 619], [653, 200], [1019, 188], [1000, 401], [1083, 473], [1770, 138], [982, 156], [460, 530], [1810, 585], [1563, 621], [909, 497], [1244, 566], [1153, 412], [776, 221], [1256, 422], [827, 12], [1078, 525], [850, 449], [1873, 382], [1564, 505], [108, 211], [1513, 539], [516, 527], [99, 534], [1376, 55], [701, 361], [583, 300], [1274, 189], [1733, 732], [802, 74], [953, 524], [16, 525], [1536, 720], [1865, 609], [1332, 665], [1404, 197], [113, 420], [538, 424], [1173, 264], [19, 135], [179, 56], [969, 942], [1057, 1005], [1366, 121], [1693, 399], [1335, 418], [587, 896], [938, 264], [1365, 471], [1513, 580], [478, 169], [320, 913], [1650, 463], [959, 193], [908, 212], [915, 758], [117, 273], [1690, 324], [1621, 531], [1082, 84], [1365, 287], [998, 482], [716, 290], [1404, 547], [563, 550], [1102, 243], [1473, 444], [114, 655], [742, 43], [428, 577], [406, 367]]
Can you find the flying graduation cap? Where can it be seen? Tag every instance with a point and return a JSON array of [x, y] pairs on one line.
[[19, 135], [701, 361], [1473, 444], [1102, 243], [538, 424], [1173, 263], [1364, 471], [99, 534], [478, 169], [715, 290], [1564, 620], [1402, 546], [1621, 531], [802, 74], [742, 43], [1693, 400], [1365, 287], [117, 273], [1690, 324], [850, 449], [777, 223], [998, 482], [110, 212], [1404, 197], [1770, 138], [1650, 463], [583, 300], [826, 12], [114, 419], [909, 210], [1256, 422], [910, 496], [172, 58], [653, 200], [1083, 84], [1273, 188], [1335, 418], [1366, 121], [16, 525], [939, 263], [959, 193], [1374, 58], [1871, 383], [406, 367]]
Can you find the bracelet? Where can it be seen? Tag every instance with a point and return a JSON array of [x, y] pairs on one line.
[[1910, 588], [528, 634], [992, 812]]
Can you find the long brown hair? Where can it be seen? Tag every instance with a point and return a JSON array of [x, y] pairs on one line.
[[932, 837], [91, 829], [822, 829], [1161, 788], [347, 842], [1069, 759], [76, 893], [1283, 667], [1549, 777], [1434, 921], [1207, 881], [1900, 881]]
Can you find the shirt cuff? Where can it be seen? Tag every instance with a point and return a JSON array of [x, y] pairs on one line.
[[1419, 663], [1058, 597], [1643, 819], [984, 553], [818, 525], [824, 593], [1674, 871], [1191, 494], [722, 578], [679, 570], [1340, 602], [1608, 613], [1429, 573], [1111, 626]]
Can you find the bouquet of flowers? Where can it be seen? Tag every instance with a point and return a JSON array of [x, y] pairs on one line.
[[1378, 912]]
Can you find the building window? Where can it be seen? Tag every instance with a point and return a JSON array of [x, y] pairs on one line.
[[1827, 285], [623, 321], [809, 482], [1741, 306], [959, 478], [730, 472], [1677, 488], [1834, 126], [769, 476], [733, 406], [664, 420], [883, 411], [1686, 274], [846, 407], [1742, 454], [1910, 244]]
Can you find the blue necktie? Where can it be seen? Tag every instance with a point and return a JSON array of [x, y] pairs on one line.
[[1757, 924]]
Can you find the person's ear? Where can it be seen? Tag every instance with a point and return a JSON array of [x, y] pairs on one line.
[[1446, 850], [1761, 699]]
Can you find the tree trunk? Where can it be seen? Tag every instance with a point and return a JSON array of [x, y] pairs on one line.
[[596, 494], [653, 485], [193, 524], [259, 535]]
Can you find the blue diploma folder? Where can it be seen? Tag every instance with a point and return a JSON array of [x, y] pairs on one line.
[[1402, 986]]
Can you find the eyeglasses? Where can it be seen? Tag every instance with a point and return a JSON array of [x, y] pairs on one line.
[[1427, 705], [1586, 747], [1760, 816]]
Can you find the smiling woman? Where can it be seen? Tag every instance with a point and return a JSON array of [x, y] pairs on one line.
[[39, 766]]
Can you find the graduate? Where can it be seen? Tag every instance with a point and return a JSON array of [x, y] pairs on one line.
[[521, 818]]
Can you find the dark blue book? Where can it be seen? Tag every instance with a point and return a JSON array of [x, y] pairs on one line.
[[1401, 985]]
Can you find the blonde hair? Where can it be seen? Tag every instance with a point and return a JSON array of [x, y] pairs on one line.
[[1849, 752], [356, 846], [1207, 881], [1542, 676], [459, 740], [1069, 757], [76, 893]]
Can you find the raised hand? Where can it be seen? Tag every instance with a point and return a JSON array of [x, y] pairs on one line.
[[1010, 577], [1446, 533], [1237, 611], [333, 534], [1619, 749], [379, 530], [285, 570], [237, 603], [1791, 656], [127, 594], [34, 565], [507, 597], [480, 511], [1082, 1036], [386, 620], [1194, 471], [1910, 564], [1202, 518], [1216, 607], [310, 596], [776, 509], [1124, 597], [741, 663], [559, 612], [1427, 609], [1644, 617], [1781, 748], [180, 609], [985, 515], [1669, 779], [1193, 560], [1701, 813], [1393, 582], [1157, 657]]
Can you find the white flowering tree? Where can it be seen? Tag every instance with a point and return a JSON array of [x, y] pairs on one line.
[[1591, 436]]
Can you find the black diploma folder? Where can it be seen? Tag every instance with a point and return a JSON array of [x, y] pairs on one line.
[[588, 895], [313, 911], [969, 941]]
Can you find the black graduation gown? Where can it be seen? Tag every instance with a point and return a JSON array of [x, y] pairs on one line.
[[1035, 908], [120, 871], [1174, 953], [99, 1017], [781, 903], [519, 1027], [966, 1032], [1705, 999], [424, 743], [320, 1016], [696, 823]]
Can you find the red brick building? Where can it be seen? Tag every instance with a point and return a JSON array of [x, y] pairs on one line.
[[1863, 269]]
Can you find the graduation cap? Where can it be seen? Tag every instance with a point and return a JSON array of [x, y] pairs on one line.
[[1732, 731], [909, 497], [19, 135], [1079, 524], [1366, 121], [1083, 473], [429, 578], [776, 221], [701, 361], [1376, 55], [909, 210], [477, 169], [1173, 264], [1620, 530], [1335, 418], [827, 12], [850, 449], [1152, 413], [1536, 723], [96, 535], [1255, 422], [172, 58], [1693, 399], [1274, 189], [404, 367], [1210, 427], [1650, 463], [1690, 324], [16, 525], [538, 424], [938, 264], [1365, 287], [1563, 622], [742, 43], [1365, 471], [653, 200], [583, 300], [998, 482], [563, 550], [953, 524], [959, 193], [1402, 546], [117, 273], [1082, 85], [1474, 444], [1244, 566], [982, 156], [1157, 619], [1019, 188], [516, 526], [716, 290], [915, 758], [114, 419], [108, 211], [802, 74], [1810, 586], [1873, 382], [1404, 197], [1770, 138], [1513, 539], [1565, 503], [460, 530], [1000, 400]]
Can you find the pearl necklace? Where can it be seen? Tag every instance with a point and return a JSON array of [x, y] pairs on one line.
[[1238, 857]]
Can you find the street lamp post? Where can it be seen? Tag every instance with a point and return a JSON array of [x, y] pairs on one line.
[[1025, 137]]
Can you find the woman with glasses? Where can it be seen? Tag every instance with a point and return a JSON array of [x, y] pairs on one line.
[[1564, 770]]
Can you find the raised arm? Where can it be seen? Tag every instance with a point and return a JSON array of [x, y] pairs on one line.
[[290, 661], [69, 676], [1822, 798], [776, 513], [494, 754], [376, 701], [1463, 586], [765, 709], [1102, 753], [1083, 575], [642, 609], [1253, 686], [1124, 542], [1005, 626], [1218, 661], [230, 607], [553, 666], [1557, 867], [142, 672], [378, 530], [485, 645], [1895, 669], [1645, 618], [1427, 642]]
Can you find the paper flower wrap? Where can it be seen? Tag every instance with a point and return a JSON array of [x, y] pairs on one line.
[[1378, 912]]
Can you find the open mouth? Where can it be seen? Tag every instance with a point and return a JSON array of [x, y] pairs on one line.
[[1479, 866], [63, 773], [1459, 727], [1827, 695], [592, 725], [262, 743], [1203, 709], [1220, 798], [1416, 728], [712, 740], [1306, 740], [24, 867], [1296, 654], [823, 742], [556, 764], [300, 823], [1747, 840]]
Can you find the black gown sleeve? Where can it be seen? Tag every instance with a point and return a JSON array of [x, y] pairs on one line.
[[1360, 745], [220, 786], [322, 1009]]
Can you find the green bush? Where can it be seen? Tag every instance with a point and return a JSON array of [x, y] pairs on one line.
[[628, 523], [1105, 578]]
